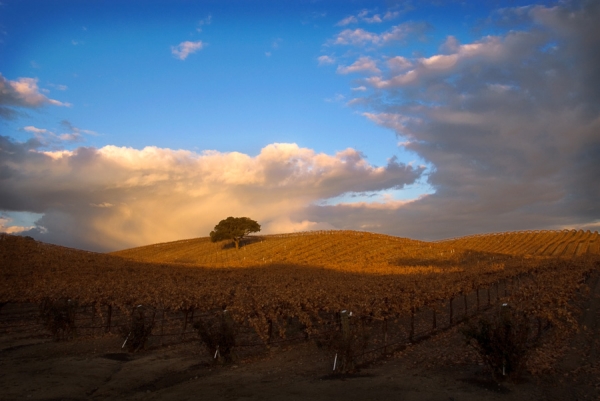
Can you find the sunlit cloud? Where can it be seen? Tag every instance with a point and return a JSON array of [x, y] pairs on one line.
[[363, 64], [184, 49], [325, 60], [6, 226], [115, 197], [23, 92], [399, 33]]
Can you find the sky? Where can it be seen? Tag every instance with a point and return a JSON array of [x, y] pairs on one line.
[[126, 123]]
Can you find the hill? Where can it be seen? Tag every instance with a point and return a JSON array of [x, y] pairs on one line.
[[564, 244], [363, 251]]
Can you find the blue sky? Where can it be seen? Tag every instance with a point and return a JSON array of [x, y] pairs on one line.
[[410, 118]]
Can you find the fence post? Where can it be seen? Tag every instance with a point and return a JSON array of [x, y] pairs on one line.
[[346, 362]]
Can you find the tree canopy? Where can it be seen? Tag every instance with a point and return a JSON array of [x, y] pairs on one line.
[[234, 228]]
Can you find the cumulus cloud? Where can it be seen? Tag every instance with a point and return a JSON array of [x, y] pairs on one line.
[[363, 64], [116, 197], [401, 32], [184, 49], [47, 138], [23, 92], [508, 123], [325, 60], [369, 17], [7, 227], [351, 19]]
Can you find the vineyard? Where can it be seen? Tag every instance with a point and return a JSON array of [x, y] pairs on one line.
[[564, 244], [366, 252], [303, 286]]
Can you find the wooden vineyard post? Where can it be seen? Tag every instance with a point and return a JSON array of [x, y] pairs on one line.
[[466, 306], [489, 299], [451, 312], [346, 348], [185, 321], [434, 319], [477, 298], [108, 318]]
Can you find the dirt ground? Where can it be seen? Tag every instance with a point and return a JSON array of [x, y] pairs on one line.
[[440, 368]]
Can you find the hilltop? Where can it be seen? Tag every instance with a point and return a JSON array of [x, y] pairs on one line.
[[360, 251]]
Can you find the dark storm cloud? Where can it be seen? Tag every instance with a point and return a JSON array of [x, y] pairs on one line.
[[510, 125]]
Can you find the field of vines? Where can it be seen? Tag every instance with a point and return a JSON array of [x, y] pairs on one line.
[[304, 277], [563, 244]]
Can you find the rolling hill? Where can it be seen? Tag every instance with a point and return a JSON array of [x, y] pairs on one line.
[[354, 250]]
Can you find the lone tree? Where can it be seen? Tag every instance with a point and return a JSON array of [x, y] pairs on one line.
[[234, 228]]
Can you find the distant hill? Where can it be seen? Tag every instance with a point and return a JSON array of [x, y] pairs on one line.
[[361, 250], [564, 244]]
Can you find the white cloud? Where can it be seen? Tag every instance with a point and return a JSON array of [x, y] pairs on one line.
[[35, 130], [47, 138], [286, 225], [363, 64], [401, 32], [347, 21], [357, 37], [325, 60], [24, 92], [7, 227], [368, 17], [489, 51], [184, 49], [116, 197], [399, 63], [360, 88]]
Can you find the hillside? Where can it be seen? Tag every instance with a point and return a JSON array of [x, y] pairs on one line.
[[361, 251], [281, 290], [342, 250], [563, 244]]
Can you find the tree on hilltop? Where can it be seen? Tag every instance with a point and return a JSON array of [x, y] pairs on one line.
[[234, 228]]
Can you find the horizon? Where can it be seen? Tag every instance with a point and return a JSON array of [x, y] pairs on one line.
[[128, 124]]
